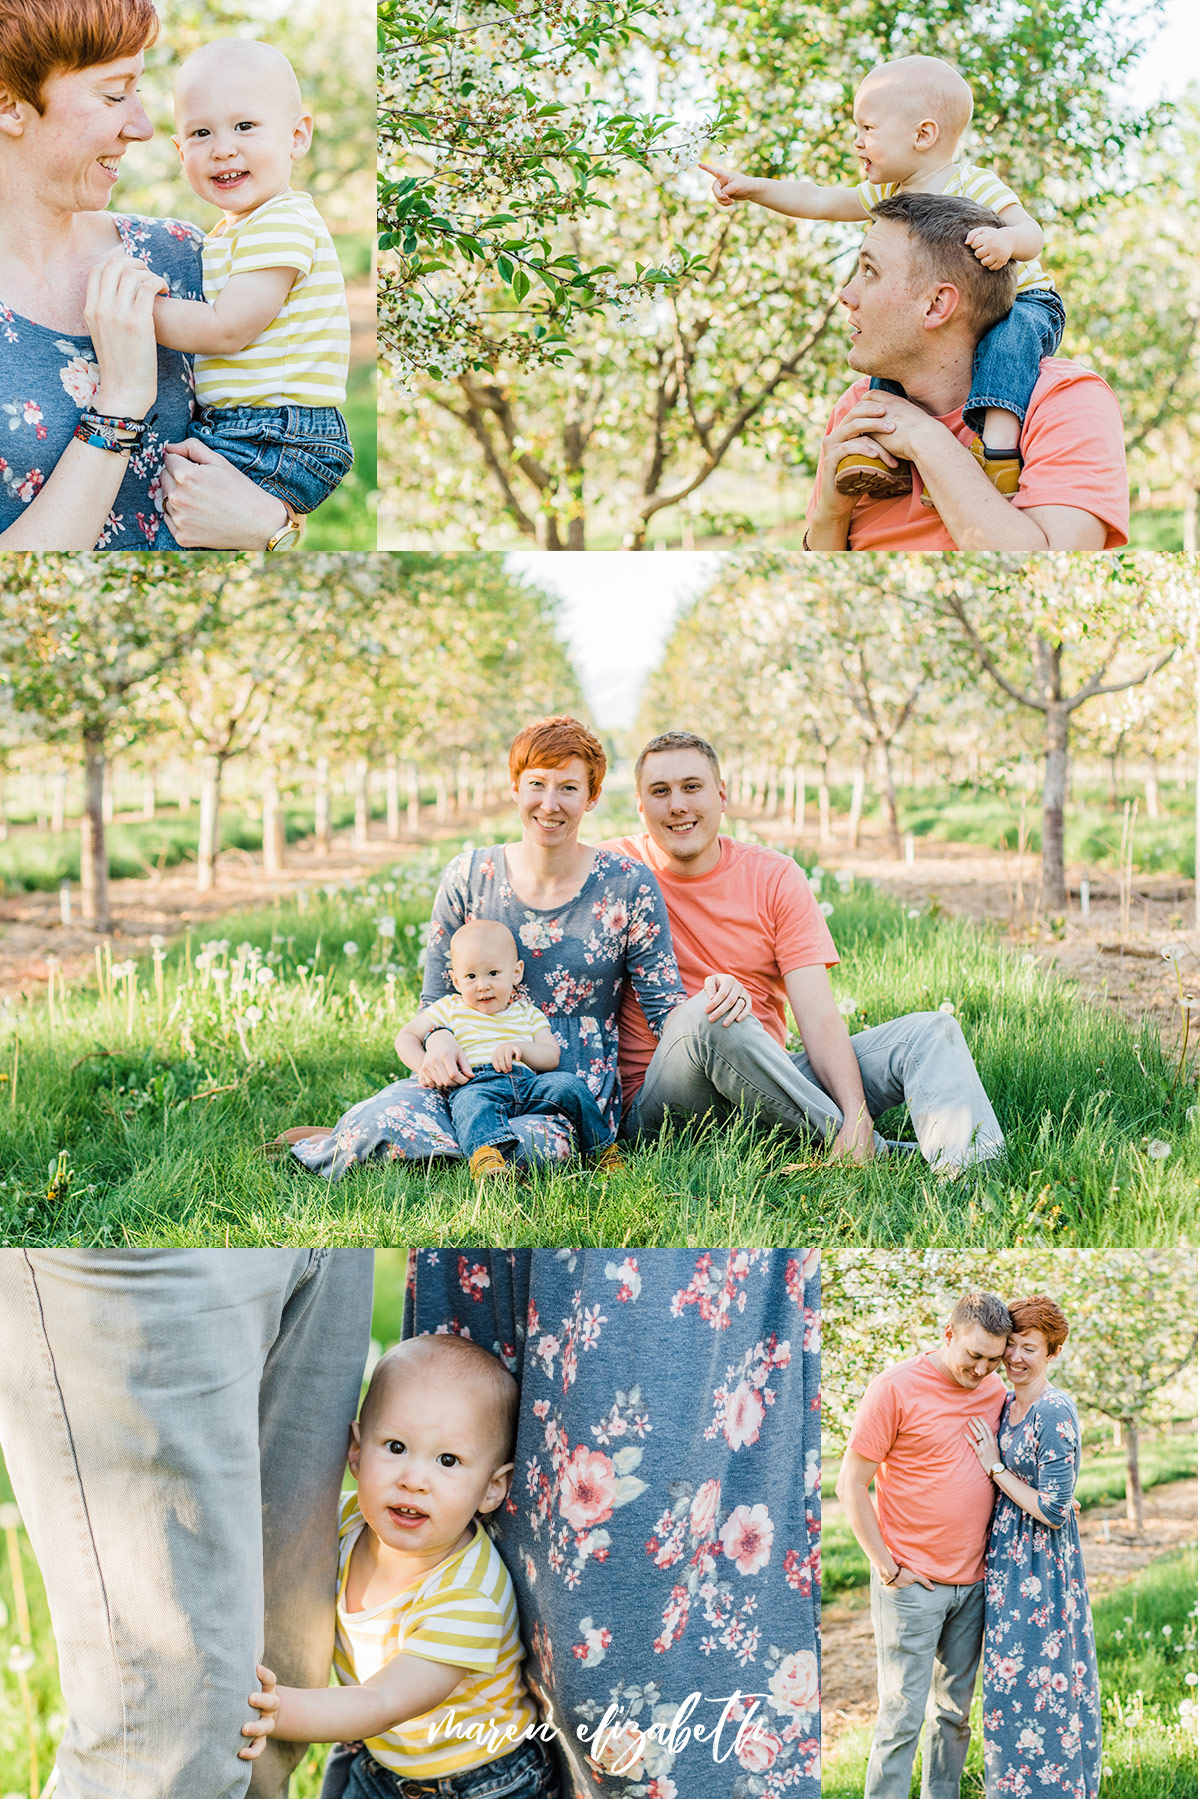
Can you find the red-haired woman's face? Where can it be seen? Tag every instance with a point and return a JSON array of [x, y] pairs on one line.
[[88, 120], [1026, 1356], [552, 802]]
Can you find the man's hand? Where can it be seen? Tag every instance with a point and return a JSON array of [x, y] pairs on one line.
[[910, 1578], [855, 1140], [728, 186], [445, 1066], [992, 244], [982, 1440], [726, 999], [263, 1724], [504, 1056]]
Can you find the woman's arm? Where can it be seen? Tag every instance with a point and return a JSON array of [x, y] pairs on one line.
[[1050, 1501], [69, 511], [404, 1688], [649, 953]]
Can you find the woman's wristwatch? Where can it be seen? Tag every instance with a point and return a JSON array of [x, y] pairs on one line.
[[290, 532], [996, 1469]]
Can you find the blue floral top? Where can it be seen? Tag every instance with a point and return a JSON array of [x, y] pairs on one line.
[[577, 956], [662, 1527], [48, 377]]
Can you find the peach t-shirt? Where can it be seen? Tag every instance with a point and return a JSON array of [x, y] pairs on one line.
[[932, 1493], [754, 915], [1073, 443]]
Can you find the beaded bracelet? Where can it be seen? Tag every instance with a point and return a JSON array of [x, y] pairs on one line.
[[124, 431], [100, 441]]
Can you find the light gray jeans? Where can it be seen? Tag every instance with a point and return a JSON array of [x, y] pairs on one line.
[[927, 1648], [174, 1423], [705, 1067]]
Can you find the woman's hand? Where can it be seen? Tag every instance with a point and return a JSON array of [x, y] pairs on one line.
[[445, 1066], [726, 999], [263, 1724], [982, 1440], [210, 505], [118, 310]]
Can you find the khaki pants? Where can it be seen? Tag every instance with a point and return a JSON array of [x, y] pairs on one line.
[[927, 1648], [174, 1424]]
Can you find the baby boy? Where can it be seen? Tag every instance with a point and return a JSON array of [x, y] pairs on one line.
[[428, 1649], [271, 337], [910, 117], [502, 1060]]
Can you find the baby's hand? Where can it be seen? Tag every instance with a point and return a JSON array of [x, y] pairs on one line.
[[728, 186], [992, 245], [261, 1727], [504, 1056]]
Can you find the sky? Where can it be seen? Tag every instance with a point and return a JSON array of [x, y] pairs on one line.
[[618, 609]]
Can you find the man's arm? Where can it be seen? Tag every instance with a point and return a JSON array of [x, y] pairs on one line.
[[976, 514], [244, 307], [827, 1043], [853, 1490], [794, 199], [404, 1688]]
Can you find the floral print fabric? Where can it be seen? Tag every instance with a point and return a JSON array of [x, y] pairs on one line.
[[663, 1521], [577, 959], [1041, 1686], [48, 378]]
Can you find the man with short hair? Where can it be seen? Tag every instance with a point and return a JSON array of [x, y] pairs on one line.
[[749, 938], [918, 305], [925, 1537]]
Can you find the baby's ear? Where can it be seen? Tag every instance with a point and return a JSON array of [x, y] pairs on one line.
[[352, 1453], [497, 1488], [518, 971], [178, 147], [302, 133]]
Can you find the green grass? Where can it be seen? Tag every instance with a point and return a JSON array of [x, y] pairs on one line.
[[844, 1568], [1149, 1745], [346, 521], [49, 1711], [1093, 825], [155, 1115]]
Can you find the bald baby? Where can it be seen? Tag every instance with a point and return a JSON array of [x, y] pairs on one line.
[[923, 89]]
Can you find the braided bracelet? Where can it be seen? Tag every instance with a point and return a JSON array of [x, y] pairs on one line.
[[126, 431], [100, 441]]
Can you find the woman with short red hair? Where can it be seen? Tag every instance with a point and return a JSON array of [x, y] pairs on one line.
[[586, 921], [1041, 1684], [90, 404]]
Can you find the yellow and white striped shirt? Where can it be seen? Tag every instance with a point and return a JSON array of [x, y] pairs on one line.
[[968, 182], [301, 358], [463, 1613], [480, 1033]]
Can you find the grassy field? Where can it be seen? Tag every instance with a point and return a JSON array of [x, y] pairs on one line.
[[1101, 1483], [38, 1729], [346, 521], [132, 1111], [1146, 1647], [1093, 825]]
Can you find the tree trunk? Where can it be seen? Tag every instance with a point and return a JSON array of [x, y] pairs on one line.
[[211, 773], [414, 798], [58, 805], [392, 788], [109, 800], [854, 824], [322, 822], [1133, 1474], [1048, 667], [441, 807], [272, 828], [887, 793], [462, 798], [93, 859], [362, 809], [149, 797], [787, 803], [798, 801], [479, 790], [772, 793], [3, 812], [824, 828], [1153, 809]]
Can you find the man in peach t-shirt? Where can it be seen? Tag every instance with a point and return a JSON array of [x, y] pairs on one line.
[[926, 1540], [749, 939], [913, 307]]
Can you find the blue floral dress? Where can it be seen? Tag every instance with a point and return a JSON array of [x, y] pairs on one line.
[[48, 377], [577, 958], [1041, 1686], [662, 1529]]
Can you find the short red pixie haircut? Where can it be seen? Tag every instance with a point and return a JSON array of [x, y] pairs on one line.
[[1040, 1313], [551, 743], [41, 38]]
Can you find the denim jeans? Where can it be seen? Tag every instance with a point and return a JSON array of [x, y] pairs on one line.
[[1008, 357], [704, 1067], [927, 1648], [297, 453], [174, 1424], [482, 1108], [526, 1773]]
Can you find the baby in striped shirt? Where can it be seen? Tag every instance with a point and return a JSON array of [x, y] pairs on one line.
[[428, 1648], [271, 337], [910, 116], [501, 1060]]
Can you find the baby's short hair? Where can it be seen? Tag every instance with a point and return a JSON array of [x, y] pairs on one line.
[[446, 1356], [476, 931]]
